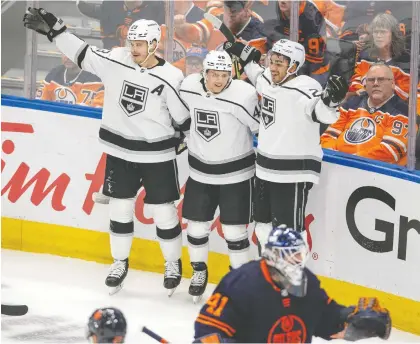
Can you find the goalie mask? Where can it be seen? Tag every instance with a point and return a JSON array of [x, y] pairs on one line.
[[287, 252], [218, 61], [295, 52], [145, 30]]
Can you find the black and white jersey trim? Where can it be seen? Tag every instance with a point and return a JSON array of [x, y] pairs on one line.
[[288, 164], [135, 145], [173, 89], [223, 168], [239, 105]]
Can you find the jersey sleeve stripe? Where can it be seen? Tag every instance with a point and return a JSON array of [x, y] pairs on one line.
[[391, 150], [208, 323], [266, 79], [81, 55], [173, 89], [243, 108], [314, 117], [218, 322], [390, 138], [296, 89], [393, 144]]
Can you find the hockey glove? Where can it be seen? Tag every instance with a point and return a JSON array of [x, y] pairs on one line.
[[43, 22], [245, 53], [335, 91], [368, 320]]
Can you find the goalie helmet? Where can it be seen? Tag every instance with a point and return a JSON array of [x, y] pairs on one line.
[[106, 325], [217, 60], [287, 252], [293, 50], [144, 30]]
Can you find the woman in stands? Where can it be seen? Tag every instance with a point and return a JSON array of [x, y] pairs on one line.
[[385, 43]]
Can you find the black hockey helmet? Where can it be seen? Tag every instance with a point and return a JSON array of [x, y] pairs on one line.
[[106, 325]]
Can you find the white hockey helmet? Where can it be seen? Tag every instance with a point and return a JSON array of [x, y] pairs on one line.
[[217, 60], [293, 50], [144, 30]]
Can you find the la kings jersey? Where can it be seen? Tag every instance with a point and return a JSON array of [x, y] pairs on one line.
[[220, 145], [136, 122], [289, 148]]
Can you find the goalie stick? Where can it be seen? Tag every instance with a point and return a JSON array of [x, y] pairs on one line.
[[14, 310], [218, 24]]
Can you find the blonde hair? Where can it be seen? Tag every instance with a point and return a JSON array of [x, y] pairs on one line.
[[388, 22]]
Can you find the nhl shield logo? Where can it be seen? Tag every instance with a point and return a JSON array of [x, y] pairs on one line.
[[268, 110], [207, 124], [133, 98]]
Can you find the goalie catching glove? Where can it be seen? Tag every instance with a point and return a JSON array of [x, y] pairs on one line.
[[245, 53], [368, 320], [43, 22]]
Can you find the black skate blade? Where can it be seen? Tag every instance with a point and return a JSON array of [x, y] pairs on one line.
[[14, 310]]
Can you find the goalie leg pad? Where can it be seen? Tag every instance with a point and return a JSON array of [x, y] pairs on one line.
[[168, 230], [198, 241], [236, 237], [121, 213]]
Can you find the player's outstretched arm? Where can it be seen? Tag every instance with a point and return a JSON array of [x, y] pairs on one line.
[[87, 57]]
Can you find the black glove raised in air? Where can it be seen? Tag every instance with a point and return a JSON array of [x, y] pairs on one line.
[[43, 22]]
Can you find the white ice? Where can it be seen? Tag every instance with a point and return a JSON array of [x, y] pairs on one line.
[[62, 292]]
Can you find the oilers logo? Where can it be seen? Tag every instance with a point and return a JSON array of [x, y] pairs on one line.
[[361, 131], [207, 124], [65, 95], [179, 51], [288, 329]]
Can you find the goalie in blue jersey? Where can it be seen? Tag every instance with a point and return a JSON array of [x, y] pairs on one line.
[[278, 300]]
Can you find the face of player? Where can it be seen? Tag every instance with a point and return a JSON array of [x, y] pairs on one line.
[[285, 7], [278, 67], [382, 37], [235, 17], [193, 65], [379, 84], [217, 80], [139, 51]]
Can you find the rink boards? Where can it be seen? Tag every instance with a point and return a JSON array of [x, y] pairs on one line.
[[363, 219]]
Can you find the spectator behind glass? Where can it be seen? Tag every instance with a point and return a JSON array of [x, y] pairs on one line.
[[69, 84], [312, 35], [238, 17], [115, 17], [374, 124], [185, 12], [385, 43], [194, 60]]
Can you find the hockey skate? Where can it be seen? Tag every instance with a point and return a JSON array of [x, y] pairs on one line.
[[118, 272], [172, 278], [198, 281]]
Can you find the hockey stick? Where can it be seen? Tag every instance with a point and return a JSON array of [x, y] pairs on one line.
[[154, 335], [218, 24], [14, 310]]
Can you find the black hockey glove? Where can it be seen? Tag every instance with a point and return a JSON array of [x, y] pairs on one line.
[[335, 91], [245, 53], [43, 22], [368, 320]]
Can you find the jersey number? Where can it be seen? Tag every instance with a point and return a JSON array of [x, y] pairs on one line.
[[397, 128], [216, 303]]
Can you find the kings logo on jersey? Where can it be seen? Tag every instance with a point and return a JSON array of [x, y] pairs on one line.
[[362, 130], [133, 98], [207, 124], [268, 110]]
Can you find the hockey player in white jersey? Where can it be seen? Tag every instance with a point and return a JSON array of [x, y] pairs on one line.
[[141, 99], [289, 154], [224, 115]]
